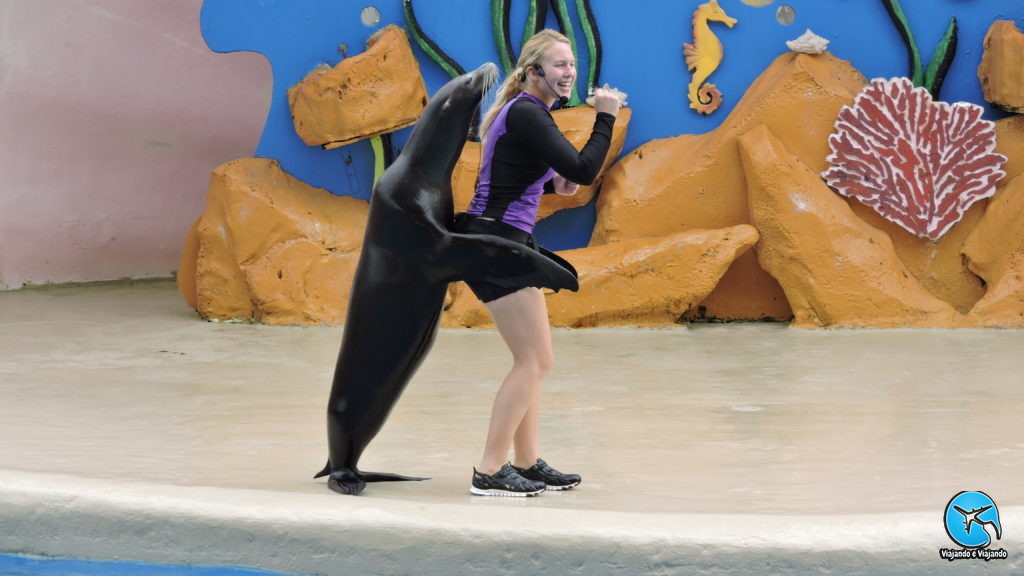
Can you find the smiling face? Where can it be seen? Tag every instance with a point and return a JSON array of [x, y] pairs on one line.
[[559, 67]]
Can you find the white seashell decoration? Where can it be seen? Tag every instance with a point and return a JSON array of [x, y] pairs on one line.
[[622, 95], [808, 43]]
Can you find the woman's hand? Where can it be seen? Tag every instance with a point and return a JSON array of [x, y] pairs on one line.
[[563, 187], [606, 101]]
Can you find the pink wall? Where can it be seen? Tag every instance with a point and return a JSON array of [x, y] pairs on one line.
[[112, 115]]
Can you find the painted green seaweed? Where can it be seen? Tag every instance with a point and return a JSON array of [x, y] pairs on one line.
[[932, 78], [536, 16], [436, 54], [429, 47], [935, 75], [535, 22], [383, 155], [593, 37], [499, 22], [565, 27]]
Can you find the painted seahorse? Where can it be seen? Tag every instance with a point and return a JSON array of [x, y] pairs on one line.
[[704, 56]]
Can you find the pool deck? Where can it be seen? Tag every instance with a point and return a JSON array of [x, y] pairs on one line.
[[130, 429]]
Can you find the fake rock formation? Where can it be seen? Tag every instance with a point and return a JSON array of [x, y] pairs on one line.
[[836, 270], [925, 187], [696, 181], [576, 124], [271, 249], [1010, 143], [1001, 71], [639, 282], [938, 264], [373, 93], [934, 191], [995, 251]]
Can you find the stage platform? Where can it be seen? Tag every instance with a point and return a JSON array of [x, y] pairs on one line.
[[130, 429]]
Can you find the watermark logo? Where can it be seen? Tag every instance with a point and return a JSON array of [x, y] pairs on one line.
[[972, 522]]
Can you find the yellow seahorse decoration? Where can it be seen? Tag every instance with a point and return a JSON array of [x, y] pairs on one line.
[[704, 56]]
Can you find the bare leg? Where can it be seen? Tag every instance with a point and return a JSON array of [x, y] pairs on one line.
[[522, 321], [527, 438]]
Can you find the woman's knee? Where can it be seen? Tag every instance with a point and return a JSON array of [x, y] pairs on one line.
[[538, 364]]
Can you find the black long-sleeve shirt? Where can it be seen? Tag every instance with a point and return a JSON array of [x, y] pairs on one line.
[[523, 150]]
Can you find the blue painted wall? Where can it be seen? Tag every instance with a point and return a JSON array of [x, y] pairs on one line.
[[642, 56]]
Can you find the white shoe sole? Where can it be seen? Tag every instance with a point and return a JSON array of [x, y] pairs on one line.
[[506, 493], [569, 487]]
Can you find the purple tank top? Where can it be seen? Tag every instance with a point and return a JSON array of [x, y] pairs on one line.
[[514, 204]]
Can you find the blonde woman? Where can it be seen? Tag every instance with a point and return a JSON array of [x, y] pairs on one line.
[[525, 156]]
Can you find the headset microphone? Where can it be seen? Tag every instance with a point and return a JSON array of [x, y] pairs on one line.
[[562, 100]]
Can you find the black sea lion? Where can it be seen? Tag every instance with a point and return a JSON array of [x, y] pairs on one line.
[[409, 256]]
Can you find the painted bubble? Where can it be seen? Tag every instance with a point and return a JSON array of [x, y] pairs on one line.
[[370, 16], [785, 14]]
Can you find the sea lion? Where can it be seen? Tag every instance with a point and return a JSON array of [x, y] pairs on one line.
[[409, 256]]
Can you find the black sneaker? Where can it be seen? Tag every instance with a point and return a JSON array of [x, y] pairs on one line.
[[553, 479], [504, 482]]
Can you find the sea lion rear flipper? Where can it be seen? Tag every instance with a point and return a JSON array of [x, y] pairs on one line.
[[352, 482], [386, 477], [325, 471], [492, 259]]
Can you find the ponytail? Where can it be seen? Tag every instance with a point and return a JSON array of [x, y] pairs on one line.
[[508, 90]]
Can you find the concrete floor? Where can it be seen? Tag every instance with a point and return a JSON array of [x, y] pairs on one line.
[[130, 429]]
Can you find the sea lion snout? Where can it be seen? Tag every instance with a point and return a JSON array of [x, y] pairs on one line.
[[488, 70], [484, 77]]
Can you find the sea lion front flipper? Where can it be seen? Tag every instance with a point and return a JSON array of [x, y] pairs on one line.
[[558, 260], [492, 259]]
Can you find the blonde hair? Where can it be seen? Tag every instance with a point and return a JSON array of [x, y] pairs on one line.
[[533, 53]]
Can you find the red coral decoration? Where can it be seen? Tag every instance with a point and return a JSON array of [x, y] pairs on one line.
[[918, 163]]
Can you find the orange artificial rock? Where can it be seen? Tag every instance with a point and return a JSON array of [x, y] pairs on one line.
[[464, 175], [696, 181], [939, 265], [1010, 143], [936, 264], [1001, 71], [995, 251], [576, 124], [373, 93], [639, 282], [272, 249], [836, 269]]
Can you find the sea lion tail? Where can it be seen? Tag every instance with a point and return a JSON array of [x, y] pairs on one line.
[[325, 471]]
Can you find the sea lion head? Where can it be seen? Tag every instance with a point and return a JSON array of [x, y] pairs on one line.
[[442, 129], [459, 98]]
